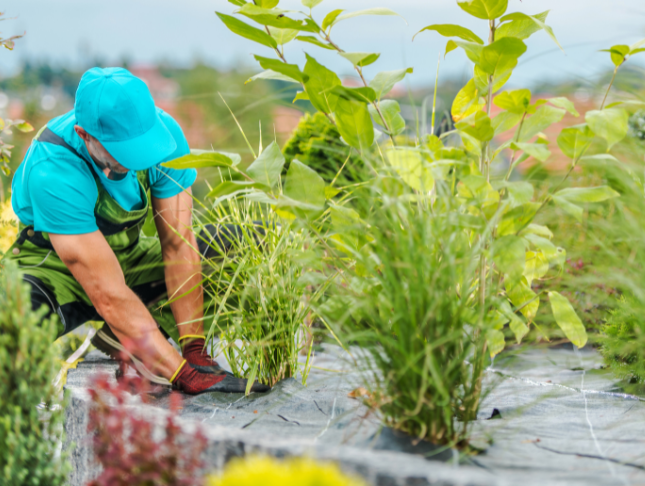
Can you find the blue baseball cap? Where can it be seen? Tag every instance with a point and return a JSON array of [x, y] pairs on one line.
[[116, 108]]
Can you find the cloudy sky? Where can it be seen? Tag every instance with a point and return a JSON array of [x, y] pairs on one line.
[[184, 30]]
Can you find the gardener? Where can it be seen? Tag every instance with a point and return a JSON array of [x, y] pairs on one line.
[[81, 195]]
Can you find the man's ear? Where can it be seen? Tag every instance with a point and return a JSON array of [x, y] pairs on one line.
[[80, 131]]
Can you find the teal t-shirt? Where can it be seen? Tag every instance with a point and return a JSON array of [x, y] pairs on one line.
[[54, 190]]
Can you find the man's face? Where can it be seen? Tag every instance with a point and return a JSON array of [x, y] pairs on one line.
[[98, 152]]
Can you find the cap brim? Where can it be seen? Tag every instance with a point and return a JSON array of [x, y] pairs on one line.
[[144, 151]]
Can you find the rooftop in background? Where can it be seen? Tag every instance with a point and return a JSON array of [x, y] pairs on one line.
[[143, 31]]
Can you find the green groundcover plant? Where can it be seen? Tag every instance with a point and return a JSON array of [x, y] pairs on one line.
[[30, 419]]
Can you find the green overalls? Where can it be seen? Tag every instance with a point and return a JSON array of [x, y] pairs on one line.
[[140, 258]]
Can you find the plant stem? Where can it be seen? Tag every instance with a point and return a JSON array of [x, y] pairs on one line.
[[374, 103], [613, 78]]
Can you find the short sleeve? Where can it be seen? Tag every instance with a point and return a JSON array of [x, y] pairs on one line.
[[165, 182], [62, 201]]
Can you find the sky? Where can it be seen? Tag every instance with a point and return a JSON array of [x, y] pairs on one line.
[[181, 31]]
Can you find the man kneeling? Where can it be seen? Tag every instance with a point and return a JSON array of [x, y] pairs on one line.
[[81, 195]]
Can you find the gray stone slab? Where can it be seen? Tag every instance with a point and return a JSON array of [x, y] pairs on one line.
[[559, 419]]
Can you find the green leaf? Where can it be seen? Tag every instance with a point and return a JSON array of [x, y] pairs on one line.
[[536, 267], [610, 124], [521, 27], [265, 3], [543, 118], [520, 294], [196, 161], [267, 167], [484, 9], [572, 209], [310, 3], [290, 70], [411, 167], [574, 141], [239, 3], [480, 192], [384, 81], [347, 224], [269, 74], [554, 256], [505, 121], [451, 30], [245, 30], [301, 95], [472, 49], [517, 325], [282, 36], [392, 113], [354, 124], [304, 184], [330, 18], [501, 56], [495, 341], [331, 192], [360, 58], [587, 194], [22, 126], [618, 53], [276, 18], [363, 94], [564, 103], [516, 101], [312, 40], [567, 319], [509, 255], [369, 11], [537, 21], [467, 102], [520, 192], [478, 126], [481, 80], [517, 219], [536, 150], [537, 229], [232, 187], [320, 80]]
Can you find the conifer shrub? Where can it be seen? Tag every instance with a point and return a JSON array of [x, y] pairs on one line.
[[28, 439], [622, 340], [124, 442], [316, 142]]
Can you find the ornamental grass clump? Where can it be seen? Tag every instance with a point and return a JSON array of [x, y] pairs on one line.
[[30, 418], [410, 304], [261, 291]]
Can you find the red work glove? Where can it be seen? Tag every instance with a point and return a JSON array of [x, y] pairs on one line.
[[193, 350], [189, 379]]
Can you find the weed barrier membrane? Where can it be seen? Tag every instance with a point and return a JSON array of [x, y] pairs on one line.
[[550, 416]]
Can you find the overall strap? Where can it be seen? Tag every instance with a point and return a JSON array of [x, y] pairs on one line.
[[50, 137]]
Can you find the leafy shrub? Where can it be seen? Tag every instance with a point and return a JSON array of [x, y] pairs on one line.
[[622, 342], [28, 366], [316, 143], [124, 445], [253, 471]]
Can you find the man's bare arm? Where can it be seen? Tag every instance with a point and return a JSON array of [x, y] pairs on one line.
[[96, 268], [173, 218]]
